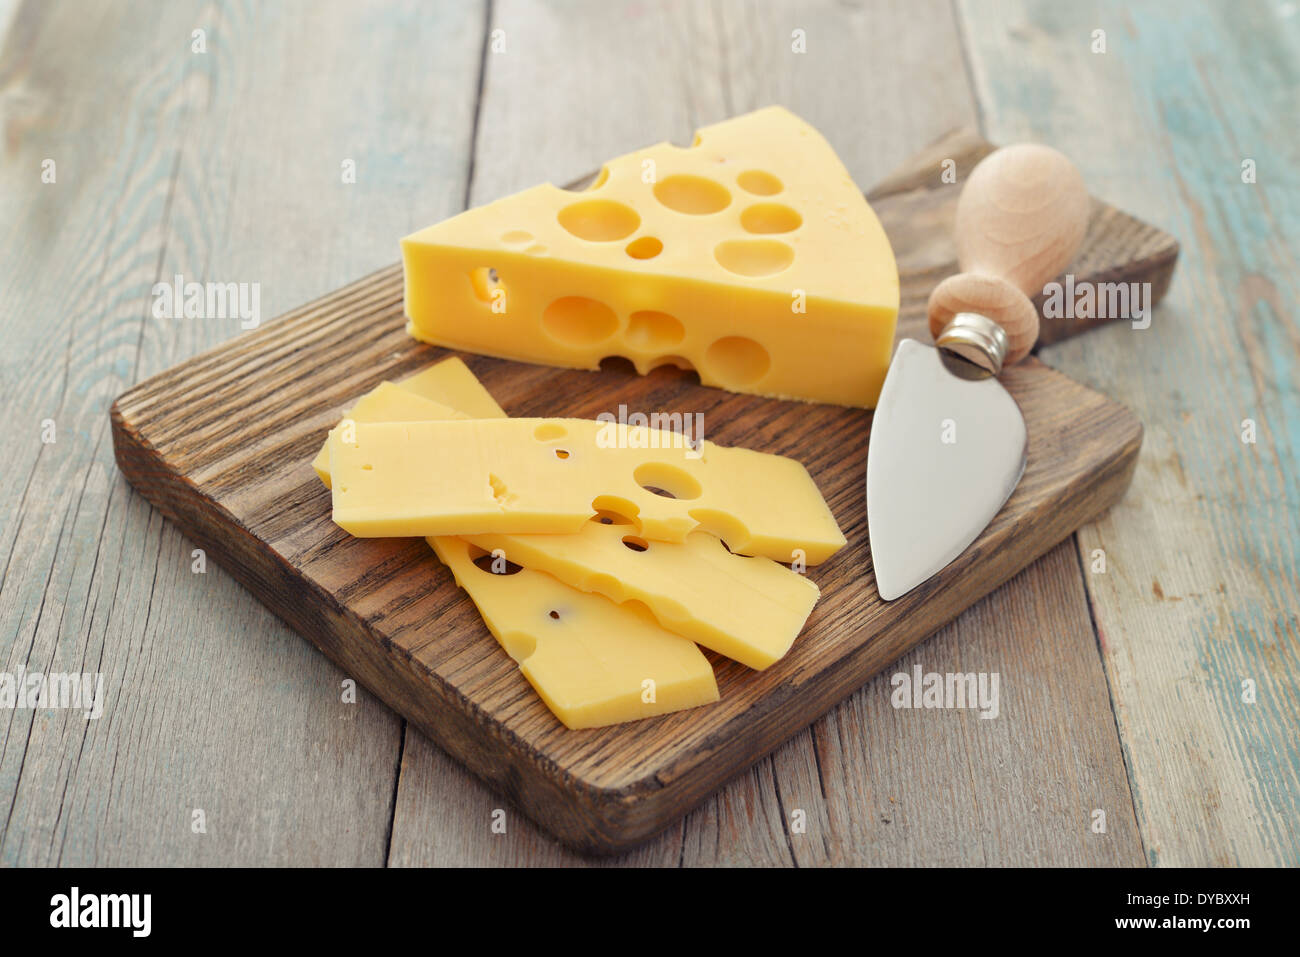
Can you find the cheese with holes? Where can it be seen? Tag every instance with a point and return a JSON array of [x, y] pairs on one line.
[[445, 390], [549, 476], [765, 605], [386, 403], [750, 256], [749, 609], [593, 662]]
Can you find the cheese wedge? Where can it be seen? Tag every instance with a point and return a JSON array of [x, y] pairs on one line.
[[593, 662], [749, 609], [750, 256], [549, 476]]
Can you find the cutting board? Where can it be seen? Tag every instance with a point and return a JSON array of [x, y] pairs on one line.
[[222, 443]]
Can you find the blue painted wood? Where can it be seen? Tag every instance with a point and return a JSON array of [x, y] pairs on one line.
[[1200, 602], [222, 165]]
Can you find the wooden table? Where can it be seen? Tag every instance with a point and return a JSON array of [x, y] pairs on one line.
[[1161, 690]]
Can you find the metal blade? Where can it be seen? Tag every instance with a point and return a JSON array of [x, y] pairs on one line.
[[944, 456]]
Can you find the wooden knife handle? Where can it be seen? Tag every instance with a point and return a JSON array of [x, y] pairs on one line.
[[1020, 220]]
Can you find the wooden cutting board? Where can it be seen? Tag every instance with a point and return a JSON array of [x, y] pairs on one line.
[[221, 444]]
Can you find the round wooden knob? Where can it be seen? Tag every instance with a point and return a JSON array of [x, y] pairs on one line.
[[1020, 220]]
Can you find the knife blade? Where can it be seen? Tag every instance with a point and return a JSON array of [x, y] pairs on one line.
[[938, 498], [948, 443]]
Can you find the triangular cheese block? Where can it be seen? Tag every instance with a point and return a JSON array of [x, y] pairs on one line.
[[750, 256]]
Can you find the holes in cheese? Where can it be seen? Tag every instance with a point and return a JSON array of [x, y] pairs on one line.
[[579, 686], [679, 584], [756, 233], [669, 481], [754, 257], [593, 662], [494, 561], [749, 609], [576, 320], [692, 195], [653, 331], [487, 285], [770, 218], [679, 362], [759, 182], [600, 220], [474, 476], [647, 247], [619, 511], [549, 431], [738, 361]]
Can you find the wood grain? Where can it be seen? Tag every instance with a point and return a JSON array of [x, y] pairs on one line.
[[391, 616], [879, 87], [252, 138], [1020, 221], [223, 166], [1202, 585], [877, 786]]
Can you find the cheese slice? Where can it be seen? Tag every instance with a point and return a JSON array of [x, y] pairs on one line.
[[450, 383], [449, 391], [590, 665], [549, 476], [749, 609], [593, 662], [750, 256], [386, 403]]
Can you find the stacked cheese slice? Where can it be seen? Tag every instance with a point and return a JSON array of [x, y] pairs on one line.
[[593, 579]]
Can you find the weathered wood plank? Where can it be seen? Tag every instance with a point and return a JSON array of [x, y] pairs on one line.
[[225, 166], [696, 64], [1201, 590]]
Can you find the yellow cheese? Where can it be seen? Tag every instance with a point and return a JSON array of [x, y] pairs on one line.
[[450, 383], [593, 662], [749, 609], [387, 403], [549, 476], [750, 256], [683, 585]]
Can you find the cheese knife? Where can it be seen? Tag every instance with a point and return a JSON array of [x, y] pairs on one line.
[[948, 442]]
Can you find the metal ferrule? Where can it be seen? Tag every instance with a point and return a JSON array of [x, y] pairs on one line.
[[977, 343]]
